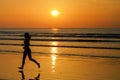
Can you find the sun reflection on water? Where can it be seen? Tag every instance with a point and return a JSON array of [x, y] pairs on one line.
[[54, 50], [55, 30]]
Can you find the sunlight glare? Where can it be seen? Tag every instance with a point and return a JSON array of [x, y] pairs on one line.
[[53, 62], [55, 12], [54, 49], [54, 43]]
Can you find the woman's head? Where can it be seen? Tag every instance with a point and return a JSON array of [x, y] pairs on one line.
[[27, 35]]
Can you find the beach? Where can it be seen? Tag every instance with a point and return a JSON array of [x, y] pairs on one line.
[[64, 54], [56, 67]]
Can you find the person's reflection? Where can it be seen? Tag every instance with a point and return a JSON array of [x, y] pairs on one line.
[[23, 76]]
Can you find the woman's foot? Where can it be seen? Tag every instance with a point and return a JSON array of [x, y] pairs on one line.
[[20, 67]]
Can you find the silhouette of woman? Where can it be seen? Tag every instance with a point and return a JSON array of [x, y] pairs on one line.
[[27, 50]]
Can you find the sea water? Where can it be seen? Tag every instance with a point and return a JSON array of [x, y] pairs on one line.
[[93, 42]]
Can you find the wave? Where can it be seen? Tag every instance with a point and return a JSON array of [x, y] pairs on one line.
[[77, 35], [84, 35], [79, 55], [90, 47], [95, 56], [64, 37], [63, 40]]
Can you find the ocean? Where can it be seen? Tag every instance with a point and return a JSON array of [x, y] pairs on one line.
[[84, 42], [64, 54]]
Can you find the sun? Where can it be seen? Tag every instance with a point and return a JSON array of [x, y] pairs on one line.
[[55, 12]]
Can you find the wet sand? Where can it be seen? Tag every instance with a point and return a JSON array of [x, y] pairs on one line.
[[56, 67]]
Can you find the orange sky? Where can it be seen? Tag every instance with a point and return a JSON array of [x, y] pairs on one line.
[[74, 13]]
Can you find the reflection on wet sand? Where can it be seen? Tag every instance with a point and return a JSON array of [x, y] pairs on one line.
[[53, 57], [54, 51], [23, 76]]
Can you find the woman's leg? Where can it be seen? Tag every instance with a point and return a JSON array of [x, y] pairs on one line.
[[23, 60], [31, 59]]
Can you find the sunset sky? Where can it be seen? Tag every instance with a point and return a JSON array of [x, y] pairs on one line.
[[72, 13]]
